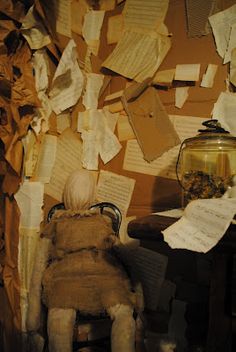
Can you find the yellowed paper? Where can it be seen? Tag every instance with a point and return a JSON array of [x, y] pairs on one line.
[[221, 23], [114, 95], [203, 224], [232, 73], [224, 111], [165, 76], [115, 28], [116, 107], [31, 152], [68, 159], [164, 166], [63, 121], [78, 10], [124, 129], [209, 76], [98, 139], [62, 8], [116, 189], [68, 80], [94, 83], [231, 43], [107, 5], [187, 72], [111, 118], [148, 14], [91, 30], [138, 55], [46, 158], [33, 31], [181, 95]]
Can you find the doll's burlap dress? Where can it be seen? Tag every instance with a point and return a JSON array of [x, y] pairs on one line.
[[83, 272]]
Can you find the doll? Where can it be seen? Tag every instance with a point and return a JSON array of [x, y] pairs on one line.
[[76, 270]]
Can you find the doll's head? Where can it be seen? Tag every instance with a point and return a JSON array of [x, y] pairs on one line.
[[79, 190]]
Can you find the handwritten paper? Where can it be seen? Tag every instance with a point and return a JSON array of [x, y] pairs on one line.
[[164, 166], [209, 76], [187, 72], [203, 224], [116, 189], [68, 80], [68, 159]]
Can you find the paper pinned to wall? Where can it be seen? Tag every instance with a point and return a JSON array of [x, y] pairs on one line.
[[203, 224], [124, 129], [116, 189], [62, 9], [209, 76], [68, 159], [164, 166], [224, 111], [94, 83], [68, 80], [115, 28], [91, 30], [78, 10], [187, 72], [232, 72], [181, 95]]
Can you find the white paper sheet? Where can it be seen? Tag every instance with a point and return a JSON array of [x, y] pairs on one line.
[[209, 76], [94, 83], [224, 111], [187, 72], [203, 224], [68, 80], [116, 189], [181, 95]]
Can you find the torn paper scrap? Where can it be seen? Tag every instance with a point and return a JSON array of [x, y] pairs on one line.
[[124, 129], [164, 77], [94, 82], [91, 30], [224, 111], [181, 95], [62, 9], [68, 80], [220, 23], [232, 70], [116, 189], [209, 76], [63, 121], [115, 28], [138, 55], [231, 43], [78, 11], [33, 30], [203, 224], [187, 72]]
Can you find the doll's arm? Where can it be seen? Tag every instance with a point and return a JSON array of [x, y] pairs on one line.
[[34, 308]]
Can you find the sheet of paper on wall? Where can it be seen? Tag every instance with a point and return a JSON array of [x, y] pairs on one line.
[[224, 111], [181, 95], [68, 159], [98, 139], [107, 5], [164, 77], [68, 80], [62, 9], [187, 72], [124, 129], [138, 55], [221, 26], [197, 12], [114, 188], [31, 152], [33, 31], [209, 76], [232, 69], [151, 124], [94, 82], [63, 121], [46, 158], [203, 224], [111, 118], [164, 166], [78, 10], [115, 28], [91, 30], [231, 43], [123, 234], [148, 15]]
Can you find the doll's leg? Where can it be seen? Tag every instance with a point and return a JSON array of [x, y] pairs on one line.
[[60, 329], [123, 328]]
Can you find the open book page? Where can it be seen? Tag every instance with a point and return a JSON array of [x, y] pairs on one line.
[[116, 189], [165, 165], [68, 159], [202, 225], [129, 58]]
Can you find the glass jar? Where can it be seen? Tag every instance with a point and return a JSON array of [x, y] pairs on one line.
[[207, 163]]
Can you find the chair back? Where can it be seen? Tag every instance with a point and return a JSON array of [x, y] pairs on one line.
[[106, 208]]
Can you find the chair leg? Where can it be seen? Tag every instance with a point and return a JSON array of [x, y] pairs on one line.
[[60, 329]]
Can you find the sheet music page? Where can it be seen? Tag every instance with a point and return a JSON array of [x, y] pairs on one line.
[[91, 29], [202, 225], [129, 58], [185, 126], [147, 14], [116, 189], [94, 83], [68, 80], [46, 158], [68, 159], [63, 19]]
